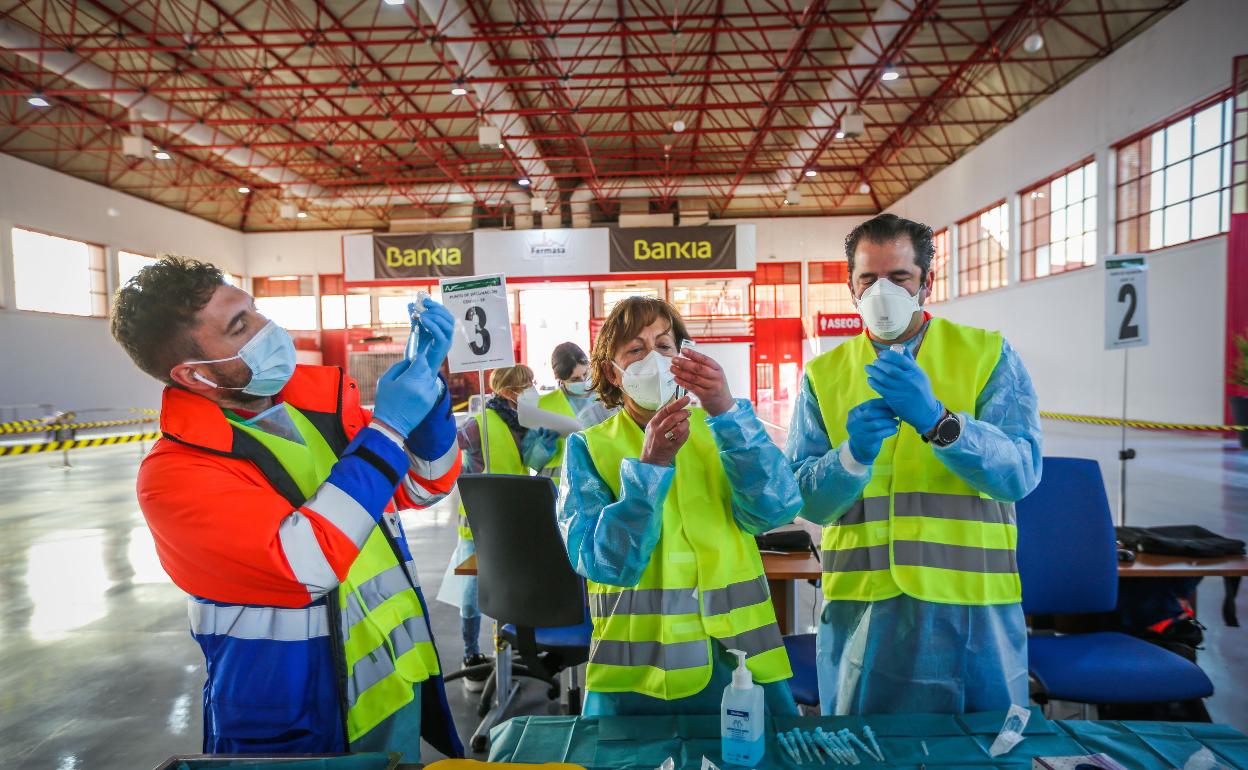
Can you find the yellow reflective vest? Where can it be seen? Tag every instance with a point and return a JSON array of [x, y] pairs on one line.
[[504, 458], [918, 529], [557, 401], [704, 580], [386, 641]]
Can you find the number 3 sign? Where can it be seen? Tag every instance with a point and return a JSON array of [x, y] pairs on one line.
[[1126, 312], [482, 337]]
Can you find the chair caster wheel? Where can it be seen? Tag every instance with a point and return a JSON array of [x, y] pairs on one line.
[[480, 743]]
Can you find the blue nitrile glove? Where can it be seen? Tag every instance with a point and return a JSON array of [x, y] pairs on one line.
[[434, 333], [869, 424], [906, 388], [405, 394]]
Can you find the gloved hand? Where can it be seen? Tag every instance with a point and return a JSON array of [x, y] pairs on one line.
[[405, 395], [433, 332], [869, 424], [906, 388]]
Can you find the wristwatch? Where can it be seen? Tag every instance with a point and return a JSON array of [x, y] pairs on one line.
[[948, 429]]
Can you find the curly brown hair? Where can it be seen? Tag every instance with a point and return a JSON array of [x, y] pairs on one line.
[[155, 311], [626, 321]]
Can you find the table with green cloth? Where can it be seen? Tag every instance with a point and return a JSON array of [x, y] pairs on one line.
[[642, 743]]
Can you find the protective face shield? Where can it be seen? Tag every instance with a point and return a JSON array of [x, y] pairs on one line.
[[577, 387], [649, 382], [887, 308], [270, 355]]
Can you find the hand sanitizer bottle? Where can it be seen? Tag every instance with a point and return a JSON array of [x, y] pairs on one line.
[[741, 718]]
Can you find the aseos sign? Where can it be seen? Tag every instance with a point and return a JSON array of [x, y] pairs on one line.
[[839, 324]]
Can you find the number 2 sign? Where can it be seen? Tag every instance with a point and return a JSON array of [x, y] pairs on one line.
[[1126, 311], [482, 338]]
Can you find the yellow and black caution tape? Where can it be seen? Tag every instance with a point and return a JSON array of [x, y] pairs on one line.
[[1146, 424], [45, 426], [78, 443], [42, 423]]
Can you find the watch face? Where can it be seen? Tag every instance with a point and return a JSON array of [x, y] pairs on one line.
[[949, 429]]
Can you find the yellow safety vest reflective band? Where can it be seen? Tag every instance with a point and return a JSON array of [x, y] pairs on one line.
[[385, 636], [704, 580], [918, 529], [504, 458], [557, 401]]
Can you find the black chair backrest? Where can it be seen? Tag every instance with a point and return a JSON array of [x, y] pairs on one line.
[[523, 573]]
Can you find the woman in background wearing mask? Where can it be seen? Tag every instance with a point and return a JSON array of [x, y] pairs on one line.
[[514, 449], [572, 397], [658, 506]]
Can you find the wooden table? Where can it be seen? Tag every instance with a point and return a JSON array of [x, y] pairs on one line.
[[783, 570]]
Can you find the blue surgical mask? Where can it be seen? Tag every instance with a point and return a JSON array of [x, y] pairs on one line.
[[270, 355], [577, 387]]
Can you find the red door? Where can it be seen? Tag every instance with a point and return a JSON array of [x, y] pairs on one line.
[[777, 331]]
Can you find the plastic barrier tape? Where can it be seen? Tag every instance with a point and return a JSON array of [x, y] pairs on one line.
[[1147, 424], [46, 426], [57, 446]]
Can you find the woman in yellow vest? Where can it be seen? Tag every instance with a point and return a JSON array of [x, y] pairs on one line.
[[513, 449], [572, 397], [658, 506]]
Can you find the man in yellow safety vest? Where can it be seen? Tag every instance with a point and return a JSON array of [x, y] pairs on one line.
[[911, 442]]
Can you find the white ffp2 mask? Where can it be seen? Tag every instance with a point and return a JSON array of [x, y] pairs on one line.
[[887, 309], [649, 382]]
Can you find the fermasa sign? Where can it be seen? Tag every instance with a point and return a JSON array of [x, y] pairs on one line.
[[839, 324], [422, 255], [663, 249]]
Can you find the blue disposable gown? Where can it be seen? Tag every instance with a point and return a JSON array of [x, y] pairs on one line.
[[903, 654], [610, 540]]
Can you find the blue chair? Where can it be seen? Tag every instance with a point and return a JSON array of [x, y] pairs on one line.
[[805, 681], [1067, 558]]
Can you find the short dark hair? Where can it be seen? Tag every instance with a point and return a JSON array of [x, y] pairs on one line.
[[565, 357], [154, 312], [888, 227]]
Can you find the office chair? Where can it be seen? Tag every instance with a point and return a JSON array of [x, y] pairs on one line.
[[525, 583], [805, 681], [1067, 558]]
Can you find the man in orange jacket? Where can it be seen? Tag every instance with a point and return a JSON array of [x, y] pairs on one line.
[[272, 498]]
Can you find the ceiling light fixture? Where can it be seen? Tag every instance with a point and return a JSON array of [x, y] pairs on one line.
[[1033, 42], [36, 100], [459, 89], [523, 182], [162, 155], [890, 74], [394, 2], [840, 134], [244, 190], [864, 188], [678, 126], [302, 215], [811, 172]]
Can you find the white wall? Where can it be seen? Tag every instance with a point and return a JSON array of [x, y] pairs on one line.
[[70, 361], [1057, 323]]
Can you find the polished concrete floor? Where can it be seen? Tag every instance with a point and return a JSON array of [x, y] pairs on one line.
[[98, 670]]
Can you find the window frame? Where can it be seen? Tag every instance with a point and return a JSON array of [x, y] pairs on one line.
[[962, 247], [1226, 97], [99, 255], [940, 267], [1024, 253]]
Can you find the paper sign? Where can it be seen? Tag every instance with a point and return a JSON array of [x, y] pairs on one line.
[[1126, 307], [482, 338]]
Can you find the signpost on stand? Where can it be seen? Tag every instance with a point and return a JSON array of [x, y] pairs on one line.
[[1126, 327], [482, 336]]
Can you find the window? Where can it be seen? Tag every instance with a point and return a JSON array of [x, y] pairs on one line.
[[1174, 182], [778, 290], [612, 296], [828, 288], [234, 280], [983, 248], [710, 297], [940, 266], [129, 264], [57, 275], [1058, 223], [287, 300]]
